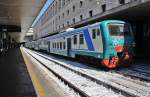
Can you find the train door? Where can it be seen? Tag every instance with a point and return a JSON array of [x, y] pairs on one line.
[[49, 46], [68, 46]]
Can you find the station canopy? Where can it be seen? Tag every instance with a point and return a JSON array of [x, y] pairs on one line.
[[16, 16]]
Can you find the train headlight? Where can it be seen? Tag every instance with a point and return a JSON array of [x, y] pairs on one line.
[[99, 56]]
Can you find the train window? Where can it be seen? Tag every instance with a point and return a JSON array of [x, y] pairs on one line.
[[64, 45], [60, 45], [53, 45], [81, 39], [75, 39], [119, 29], [57, 45], [98, 32], [94, 33]]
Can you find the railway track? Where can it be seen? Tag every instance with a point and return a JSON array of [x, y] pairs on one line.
[[139, 72], [137, 88], [136, 72], [82, 84]]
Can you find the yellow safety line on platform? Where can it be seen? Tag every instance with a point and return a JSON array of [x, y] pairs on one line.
[[38, 86]]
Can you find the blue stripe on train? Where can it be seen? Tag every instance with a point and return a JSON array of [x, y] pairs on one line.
[[88, 40]]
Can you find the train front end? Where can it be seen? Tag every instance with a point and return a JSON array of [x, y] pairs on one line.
[[118, 44]]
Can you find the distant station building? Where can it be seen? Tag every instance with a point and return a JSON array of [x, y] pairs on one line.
[[64, 14]]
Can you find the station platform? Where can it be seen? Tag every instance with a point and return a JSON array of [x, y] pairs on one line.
[[22, 76], [15, 80], [45, 83]]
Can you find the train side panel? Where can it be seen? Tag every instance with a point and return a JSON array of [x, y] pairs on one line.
[[78, 42], [96, 37], [58, 46], [43, 44]]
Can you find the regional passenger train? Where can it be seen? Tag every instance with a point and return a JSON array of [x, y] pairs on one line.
[[107, 43]]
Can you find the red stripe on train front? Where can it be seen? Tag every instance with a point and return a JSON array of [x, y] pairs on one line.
[[121, 48], [111, 64]]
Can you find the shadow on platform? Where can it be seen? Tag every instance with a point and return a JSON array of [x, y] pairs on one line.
[[15, 80]]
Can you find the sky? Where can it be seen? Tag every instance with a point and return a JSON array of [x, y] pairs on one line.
[[46, 5]]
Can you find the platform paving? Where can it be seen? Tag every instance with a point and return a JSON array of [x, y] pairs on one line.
[[45, 82], [14, 78]]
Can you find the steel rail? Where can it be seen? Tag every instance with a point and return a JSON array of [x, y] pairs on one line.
[[76, 89], [105, 84], [135, 76]]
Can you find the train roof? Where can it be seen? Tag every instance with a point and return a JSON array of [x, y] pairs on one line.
[[82, 28]]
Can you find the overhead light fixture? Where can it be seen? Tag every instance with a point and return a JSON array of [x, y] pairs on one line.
[[98, 2], [30, 30], [101, 1], [29, 34]]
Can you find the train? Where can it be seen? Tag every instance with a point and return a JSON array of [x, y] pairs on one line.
[[108, 43]]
